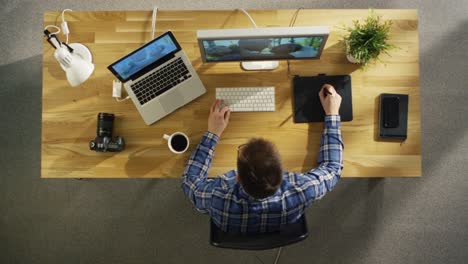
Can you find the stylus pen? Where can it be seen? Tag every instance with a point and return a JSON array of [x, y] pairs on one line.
[[326, 91]]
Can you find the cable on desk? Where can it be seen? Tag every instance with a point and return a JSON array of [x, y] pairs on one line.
[[121, 100], [64, 25], [247, 14], [291, 24], [403, 142], [294, 17], [53, 26], [153, 21]]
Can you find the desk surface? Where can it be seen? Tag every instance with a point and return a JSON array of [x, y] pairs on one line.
[[69, 114]]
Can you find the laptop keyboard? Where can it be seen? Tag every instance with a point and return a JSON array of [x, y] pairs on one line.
[[160, 81]]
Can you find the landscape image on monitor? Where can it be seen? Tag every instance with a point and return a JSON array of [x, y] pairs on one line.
[[262, 48]]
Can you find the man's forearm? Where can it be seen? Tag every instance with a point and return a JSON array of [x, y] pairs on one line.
[[196, 171], [200, 159], [317, 182], [195, 175], [331, 147]]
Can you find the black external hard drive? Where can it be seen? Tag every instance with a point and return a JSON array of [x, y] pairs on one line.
[[393, 120]]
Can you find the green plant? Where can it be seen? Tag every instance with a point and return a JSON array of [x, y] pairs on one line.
[[368, 39]]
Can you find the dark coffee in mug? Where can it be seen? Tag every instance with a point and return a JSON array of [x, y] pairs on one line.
[[179, 143]]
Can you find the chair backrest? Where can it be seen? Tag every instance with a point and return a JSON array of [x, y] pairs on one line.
[[290, 234]]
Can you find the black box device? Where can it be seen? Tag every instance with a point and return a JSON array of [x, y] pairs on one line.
[[393, 121]]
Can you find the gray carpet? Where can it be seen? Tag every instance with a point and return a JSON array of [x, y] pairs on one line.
[[148, 221]]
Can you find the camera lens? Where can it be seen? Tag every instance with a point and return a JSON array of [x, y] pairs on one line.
[[105, 123]]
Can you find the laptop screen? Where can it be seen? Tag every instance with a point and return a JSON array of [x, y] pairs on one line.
[[145, 56]]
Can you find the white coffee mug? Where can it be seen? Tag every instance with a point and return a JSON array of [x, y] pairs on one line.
[[177, 145]]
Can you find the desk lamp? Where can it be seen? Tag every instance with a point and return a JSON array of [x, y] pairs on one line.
[[75, 59]]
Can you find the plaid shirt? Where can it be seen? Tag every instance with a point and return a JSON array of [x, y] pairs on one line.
[[233, 210]]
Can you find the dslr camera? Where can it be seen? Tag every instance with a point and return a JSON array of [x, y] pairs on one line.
[[104, 141]]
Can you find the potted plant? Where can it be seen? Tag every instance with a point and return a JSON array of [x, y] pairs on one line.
[[366, 40]]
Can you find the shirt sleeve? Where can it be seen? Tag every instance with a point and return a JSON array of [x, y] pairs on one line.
[[195, 182], [315, 183]]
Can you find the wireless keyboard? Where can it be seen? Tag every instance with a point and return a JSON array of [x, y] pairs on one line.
[[248, 99]]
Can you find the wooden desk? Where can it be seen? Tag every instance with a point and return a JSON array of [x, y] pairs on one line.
[[69, 114]]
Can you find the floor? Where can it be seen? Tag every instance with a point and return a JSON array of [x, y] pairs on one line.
[[393, 221]]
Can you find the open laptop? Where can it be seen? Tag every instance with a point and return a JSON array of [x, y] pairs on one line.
[[158, 77]]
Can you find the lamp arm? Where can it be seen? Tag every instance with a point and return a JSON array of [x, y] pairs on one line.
[[52, 39]]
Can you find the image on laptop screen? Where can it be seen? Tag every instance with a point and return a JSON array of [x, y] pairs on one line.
[[262, 48], [144, 57]]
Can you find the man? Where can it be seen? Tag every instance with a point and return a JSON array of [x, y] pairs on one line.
[[260, 196]]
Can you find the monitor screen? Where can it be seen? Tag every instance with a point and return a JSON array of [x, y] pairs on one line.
[[141, 58], [262, 48]]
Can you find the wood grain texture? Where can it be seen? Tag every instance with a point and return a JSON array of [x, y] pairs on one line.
[[69, 114]]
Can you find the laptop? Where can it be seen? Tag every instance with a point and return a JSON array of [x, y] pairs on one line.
[[158, 77]]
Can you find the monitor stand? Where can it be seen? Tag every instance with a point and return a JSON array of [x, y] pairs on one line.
[[259, 65]]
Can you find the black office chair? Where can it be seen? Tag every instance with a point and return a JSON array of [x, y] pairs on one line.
[[288, 235]]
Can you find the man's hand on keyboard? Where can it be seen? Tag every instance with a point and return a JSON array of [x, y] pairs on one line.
[[219, 117]]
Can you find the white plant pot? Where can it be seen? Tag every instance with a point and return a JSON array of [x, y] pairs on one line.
[[352, 59]]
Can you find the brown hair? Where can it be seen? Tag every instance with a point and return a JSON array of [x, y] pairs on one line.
[[259, 168]]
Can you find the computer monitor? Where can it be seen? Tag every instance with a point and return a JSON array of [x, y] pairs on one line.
[[261, 48]]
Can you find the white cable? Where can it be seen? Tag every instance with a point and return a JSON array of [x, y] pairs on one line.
[[63, 13], [294, 17], [291, 24], [64, 29], [52, 26], [153, 21], [121, 100], [64, 25], [247, 14]]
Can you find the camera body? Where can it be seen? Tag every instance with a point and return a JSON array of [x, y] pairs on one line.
[[104, 141]]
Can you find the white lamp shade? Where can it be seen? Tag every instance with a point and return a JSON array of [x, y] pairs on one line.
[[77, 65], [79, 71]]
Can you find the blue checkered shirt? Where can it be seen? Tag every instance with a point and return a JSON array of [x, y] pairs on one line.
[[233, 210]]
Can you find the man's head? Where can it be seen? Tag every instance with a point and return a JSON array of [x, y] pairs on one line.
[[259, 168]]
